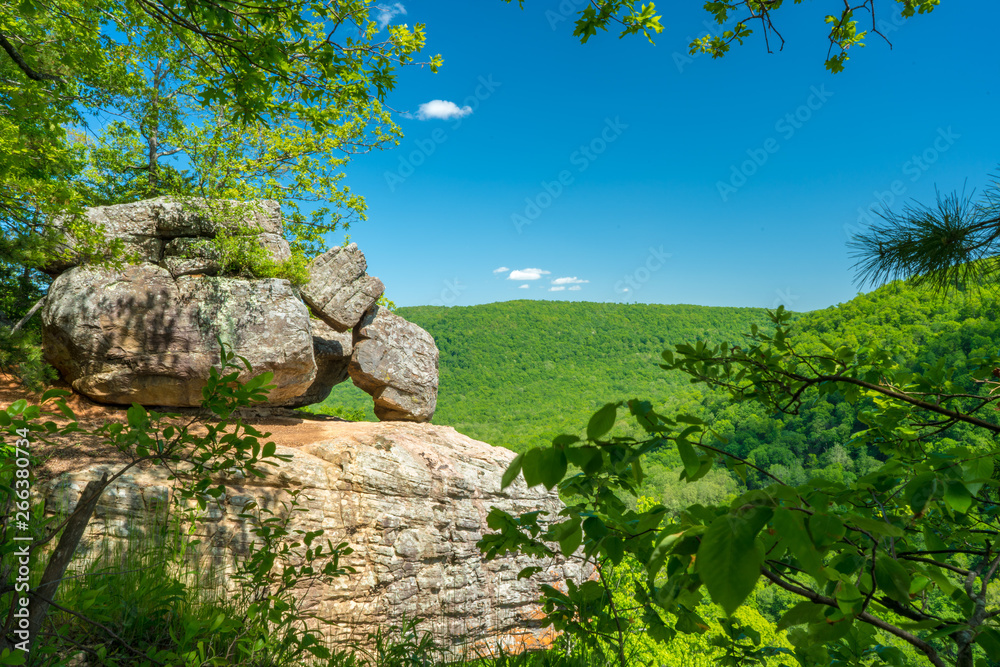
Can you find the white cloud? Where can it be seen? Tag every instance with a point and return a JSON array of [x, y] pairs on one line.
[[442, 109], [524, 287], [502, 269], [569, 281], [527, 274], [386, 13], [557, 288], [575, 288]]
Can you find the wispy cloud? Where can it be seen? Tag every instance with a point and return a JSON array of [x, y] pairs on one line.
[[569, 281], [527, 274], [524, 287], [502, 269], [575, 288], [557, 288], [386, 13], [442, 110]]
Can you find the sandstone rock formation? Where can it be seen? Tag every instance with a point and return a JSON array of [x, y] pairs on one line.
[[139, 335], [396, 362], [411, 499], [148, 333], [339, 290]]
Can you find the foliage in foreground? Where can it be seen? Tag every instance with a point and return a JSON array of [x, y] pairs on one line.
[[906, 550]]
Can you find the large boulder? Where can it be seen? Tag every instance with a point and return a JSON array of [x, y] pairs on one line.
[[396, 363], [339, 290], [410, 499], [140, 335], [332, 350]]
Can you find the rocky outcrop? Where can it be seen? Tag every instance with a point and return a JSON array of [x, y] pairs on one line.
[[139, 335], [339, 290], [149, 332], [410, 499], [396, 362]]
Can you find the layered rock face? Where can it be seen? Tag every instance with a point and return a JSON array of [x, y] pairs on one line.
[[411, 499], [148, 333]]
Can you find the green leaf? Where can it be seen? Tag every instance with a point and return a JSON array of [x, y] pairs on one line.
[[989, 640], [803, 613], [934, 543], [729, 558], [544, 465], [615, 549], [873, 525], [531, 466], [587, 458], [513, 470], [920, 491], [602, 421], [528, 571], [54, 393], [790, 526], [594, 528], [571, 538], [977, 469], [825, 530], [692, 464], [666, 541], [136, 416], [17, 407], [892, 578], [957, 497]]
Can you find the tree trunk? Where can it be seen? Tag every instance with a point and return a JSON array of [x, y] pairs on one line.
[[56, 567]]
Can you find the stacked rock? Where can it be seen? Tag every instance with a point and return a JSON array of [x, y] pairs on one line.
[[148, 333]]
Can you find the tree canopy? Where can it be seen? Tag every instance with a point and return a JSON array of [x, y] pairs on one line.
[[108, 101]]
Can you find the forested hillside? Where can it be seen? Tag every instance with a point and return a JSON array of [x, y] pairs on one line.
[[517, 373]]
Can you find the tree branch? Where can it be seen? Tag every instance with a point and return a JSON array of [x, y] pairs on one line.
[[28, 316], [865, 617], [25, 67]]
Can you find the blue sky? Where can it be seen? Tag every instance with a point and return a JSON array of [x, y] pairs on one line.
[[624, 171]]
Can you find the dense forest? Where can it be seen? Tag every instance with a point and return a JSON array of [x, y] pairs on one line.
[[517, 373]]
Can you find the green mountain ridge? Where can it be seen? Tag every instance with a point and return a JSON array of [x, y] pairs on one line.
[[517, 373]]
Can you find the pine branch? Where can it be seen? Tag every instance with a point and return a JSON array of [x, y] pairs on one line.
[[954, 244]]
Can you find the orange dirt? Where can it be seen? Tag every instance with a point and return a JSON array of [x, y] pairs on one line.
[[291, 428]]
